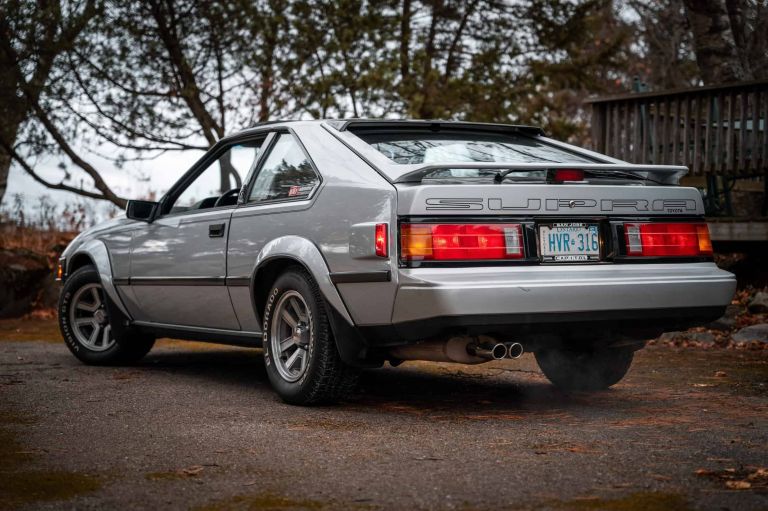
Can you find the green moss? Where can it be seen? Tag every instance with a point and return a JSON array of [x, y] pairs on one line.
[[29, 487], [641, 501], [20, 485]]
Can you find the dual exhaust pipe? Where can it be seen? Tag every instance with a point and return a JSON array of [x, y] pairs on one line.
[[495, 350], [459, 349]]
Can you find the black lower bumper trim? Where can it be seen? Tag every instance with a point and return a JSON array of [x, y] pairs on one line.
[[637, 324]]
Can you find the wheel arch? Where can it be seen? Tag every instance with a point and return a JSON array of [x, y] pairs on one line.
[[95, 253], [287, 251]]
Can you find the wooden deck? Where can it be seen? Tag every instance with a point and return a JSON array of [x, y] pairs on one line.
[[711, 130]]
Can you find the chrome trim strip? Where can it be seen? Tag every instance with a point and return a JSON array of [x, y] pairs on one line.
[[350, 277]]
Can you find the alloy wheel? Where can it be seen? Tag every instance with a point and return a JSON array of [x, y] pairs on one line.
[[291, 336], [89, 319]]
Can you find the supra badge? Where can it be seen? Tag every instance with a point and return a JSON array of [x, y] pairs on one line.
[[534, 205]]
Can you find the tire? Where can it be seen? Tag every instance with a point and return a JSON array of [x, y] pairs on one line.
[[585, 370], [305, 368], [84, 308]]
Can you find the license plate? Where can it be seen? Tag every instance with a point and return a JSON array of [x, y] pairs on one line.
[[569, 241]]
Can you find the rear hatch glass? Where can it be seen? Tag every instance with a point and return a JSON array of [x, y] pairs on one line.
[[409, 147]]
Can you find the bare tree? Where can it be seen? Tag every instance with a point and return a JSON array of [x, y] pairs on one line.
[[730, 39], [34, 38]]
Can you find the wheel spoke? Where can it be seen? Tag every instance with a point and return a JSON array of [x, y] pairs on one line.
[[292, 359], [95, 334], [86, 321], [288, 318], [96, 297], [286, 343], [303, 360], [105, 335], [88, 307], [298, 309]]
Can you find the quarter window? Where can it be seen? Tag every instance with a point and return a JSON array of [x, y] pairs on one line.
[[286, 173]]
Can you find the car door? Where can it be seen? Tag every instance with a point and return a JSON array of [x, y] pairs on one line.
[[178, 261]]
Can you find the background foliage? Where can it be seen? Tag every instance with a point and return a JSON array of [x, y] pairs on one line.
[[129, 80]]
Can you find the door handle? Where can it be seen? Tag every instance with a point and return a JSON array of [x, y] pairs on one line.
[[216, 230]]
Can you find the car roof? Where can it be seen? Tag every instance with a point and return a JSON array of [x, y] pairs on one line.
[[346, 124]]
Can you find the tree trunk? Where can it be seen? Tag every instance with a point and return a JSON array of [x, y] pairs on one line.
[[717, 53], [12, 112]]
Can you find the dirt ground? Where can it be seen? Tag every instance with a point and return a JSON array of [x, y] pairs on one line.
[[197, 426]]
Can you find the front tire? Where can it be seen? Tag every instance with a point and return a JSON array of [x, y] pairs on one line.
[[586, 370], [90, 331], [300, 354]]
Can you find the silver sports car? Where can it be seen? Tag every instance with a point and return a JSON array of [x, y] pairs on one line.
[[341, 244]]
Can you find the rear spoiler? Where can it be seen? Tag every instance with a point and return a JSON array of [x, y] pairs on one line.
[[663, 174]]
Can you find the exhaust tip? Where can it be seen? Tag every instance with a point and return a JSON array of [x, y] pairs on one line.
[[499, 351], [515, 350]]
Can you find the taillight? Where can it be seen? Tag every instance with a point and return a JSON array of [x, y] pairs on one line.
[[563, 175], [667, 239], [461, 242], [381, 241]]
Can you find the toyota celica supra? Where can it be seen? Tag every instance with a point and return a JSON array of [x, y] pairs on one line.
[[336, 245]]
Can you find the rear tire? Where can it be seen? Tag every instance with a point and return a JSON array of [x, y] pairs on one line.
[[300, 354], [88, 324], [585, 370]]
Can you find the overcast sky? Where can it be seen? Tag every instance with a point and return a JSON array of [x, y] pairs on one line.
[[162, 172]]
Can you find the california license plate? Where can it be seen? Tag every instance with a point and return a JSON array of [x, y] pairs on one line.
[[569, 242]]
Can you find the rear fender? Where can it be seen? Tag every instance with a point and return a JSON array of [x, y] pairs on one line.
[[351, 346]]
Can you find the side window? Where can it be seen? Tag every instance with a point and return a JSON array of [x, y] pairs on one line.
[[285, 174], [224, 174]]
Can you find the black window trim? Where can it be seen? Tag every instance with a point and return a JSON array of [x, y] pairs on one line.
[[201, 166], [244, 201]]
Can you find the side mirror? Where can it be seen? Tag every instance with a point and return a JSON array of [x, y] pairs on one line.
[[142, 210]]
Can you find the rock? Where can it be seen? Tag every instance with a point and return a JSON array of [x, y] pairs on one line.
[[671, 336], [759, 303], [697, 337], [728, 320], [23, 275], [757, 333], [700, 337]]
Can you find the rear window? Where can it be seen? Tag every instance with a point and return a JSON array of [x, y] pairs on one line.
[[425, 147]]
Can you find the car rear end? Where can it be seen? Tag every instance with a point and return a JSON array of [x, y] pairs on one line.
[[504, 233]]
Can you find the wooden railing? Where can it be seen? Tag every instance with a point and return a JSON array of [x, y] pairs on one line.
[[711, 130]]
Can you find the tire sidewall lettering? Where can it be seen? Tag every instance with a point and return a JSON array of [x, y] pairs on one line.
[[265, 326]]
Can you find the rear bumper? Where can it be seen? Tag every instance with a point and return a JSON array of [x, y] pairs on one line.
[[443, 292], [638, 301]]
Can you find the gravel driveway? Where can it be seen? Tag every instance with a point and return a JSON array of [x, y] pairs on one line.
[[197, 426]]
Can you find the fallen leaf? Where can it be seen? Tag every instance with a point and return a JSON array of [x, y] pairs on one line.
[[738, 485], [192, 471]]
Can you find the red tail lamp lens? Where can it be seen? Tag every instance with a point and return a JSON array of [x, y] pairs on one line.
[[563, 175], [667, 240], [382, 240], [461, 242]]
